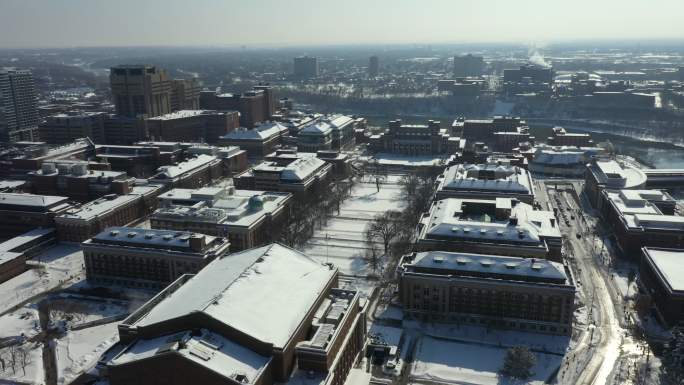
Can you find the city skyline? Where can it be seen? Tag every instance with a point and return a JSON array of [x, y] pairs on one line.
[[270, 23]]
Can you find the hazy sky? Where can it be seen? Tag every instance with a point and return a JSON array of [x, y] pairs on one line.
[[65, 23]]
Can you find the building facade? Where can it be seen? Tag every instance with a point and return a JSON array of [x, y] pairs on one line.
[[247, 218], [500, 226], [134, 257], [257, 317], [305, 67], [468, 66], [658, 276], [192, 126], [67, 127], [140, 90], [486, 181], [496, 291], [82, 222], [18, 106]]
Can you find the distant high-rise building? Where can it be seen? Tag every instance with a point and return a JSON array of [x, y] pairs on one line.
[[18, 106], [305, 67], [468, 65], [185, 94], [140, 90], [373, 66], [681, 74]]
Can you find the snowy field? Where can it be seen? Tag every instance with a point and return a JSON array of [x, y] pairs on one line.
[[341, 241], [450, 362], [79, 350], [470, 333], [23, 321], [56, 266]]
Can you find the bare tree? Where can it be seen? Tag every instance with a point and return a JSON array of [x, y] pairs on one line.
[[373, 255], [384, 227]]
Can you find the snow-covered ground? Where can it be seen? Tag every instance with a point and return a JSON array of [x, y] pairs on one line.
[[29, 365], [23, 321], [341, 241], [505, 338], [79, 350], [77, 310], [450, 362], [55, 266]]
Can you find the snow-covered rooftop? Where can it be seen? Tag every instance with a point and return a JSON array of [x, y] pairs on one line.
[[207, 349], [494, 265], [265, 292], [150, 238], [487, 177], [98, 207], [183, 114], [617, 175], [264, 131], [637, 209], [18, 199], [669, 264], [170, 172], [451, 218], [231, 207]]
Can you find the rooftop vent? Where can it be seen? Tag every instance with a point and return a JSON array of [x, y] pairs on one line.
[[131, 234], [167, 237], [114, 233], [511, 265], [149, 236], [461, 261], [486, 263], [438, 259]]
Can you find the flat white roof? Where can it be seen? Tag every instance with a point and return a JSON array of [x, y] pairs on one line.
[[209, 350], [19, 199], [264, 292], [670, 264], [445, 220], [487, 177], [98, 207]]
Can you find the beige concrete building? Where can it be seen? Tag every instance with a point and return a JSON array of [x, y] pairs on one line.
[[140, 90]]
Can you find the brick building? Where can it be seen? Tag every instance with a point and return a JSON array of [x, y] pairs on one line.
[[75, 180], [247, 218], [497, 291], [408, 139], [253, 317], [500, 226], [255, 106], [641, 218], [66, 127], [299, 173], [258, 141], [561, 137], [328, 133], [603, 173], [20, 213], [192, 125], [486, 181], [661, 276], [136, 257], [82, 222], [192, 173]]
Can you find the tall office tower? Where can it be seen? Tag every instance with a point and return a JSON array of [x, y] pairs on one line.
[[140, 89], [681, 74], [468, 65], [185, 94], [269, 100], [373, 66], [305, 67], [18, 106]]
